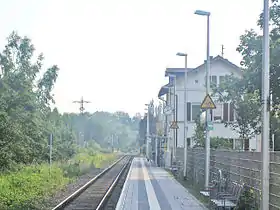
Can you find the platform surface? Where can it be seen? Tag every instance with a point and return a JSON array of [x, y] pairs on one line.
[[153, 188]]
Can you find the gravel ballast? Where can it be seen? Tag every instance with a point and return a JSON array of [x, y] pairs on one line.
[[72, 187]]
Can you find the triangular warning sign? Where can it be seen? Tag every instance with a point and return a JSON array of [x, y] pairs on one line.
[[208, 103], [174, 125]]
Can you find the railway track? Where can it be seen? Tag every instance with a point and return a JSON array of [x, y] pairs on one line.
[[95, 194]]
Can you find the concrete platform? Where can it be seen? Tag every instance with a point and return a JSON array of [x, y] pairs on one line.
[[153, 188]]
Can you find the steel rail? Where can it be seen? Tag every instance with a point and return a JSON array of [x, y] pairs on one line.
[[78, 192], [113, 185]]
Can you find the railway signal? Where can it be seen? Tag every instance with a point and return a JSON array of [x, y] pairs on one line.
[[82, 101], [82, 109]]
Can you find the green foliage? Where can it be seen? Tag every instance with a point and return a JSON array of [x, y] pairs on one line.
[[27, 120], [85, 161], [248, 200], [215, 142], [199, 134], [24, 103], [250, 48], [25, 188], [246, 104], [99, 127]]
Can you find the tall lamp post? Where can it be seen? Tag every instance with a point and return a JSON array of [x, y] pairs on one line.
[[265, 110], [207, 140], [167, 111], [174, 114], [185, 113], [148, 131]]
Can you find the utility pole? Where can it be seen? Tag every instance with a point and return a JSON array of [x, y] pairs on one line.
[[185, 117], [82, 109], [185, 113], [207, 139], [207, 152], [265, 110], [174, 118], [156, 148]]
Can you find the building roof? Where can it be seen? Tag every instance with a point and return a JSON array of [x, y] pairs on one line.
[[176, 71], [220, 58], [180, 71], [164, 89]]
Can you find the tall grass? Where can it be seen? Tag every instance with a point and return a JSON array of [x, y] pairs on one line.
[[27, 187]]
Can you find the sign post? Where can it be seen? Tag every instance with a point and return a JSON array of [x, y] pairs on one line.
[[206, 105], [210, 126], [174, 125]]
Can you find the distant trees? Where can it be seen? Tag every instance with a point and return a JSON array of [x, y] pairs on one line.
[[26, 118]]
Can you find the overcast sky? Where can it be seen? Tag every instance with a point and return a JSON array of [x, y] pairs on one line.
[[114, 52]]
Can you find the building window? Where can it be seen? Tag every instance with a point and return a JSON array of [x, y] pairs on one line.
[[195, 112], [217, 113], [196, 81], [188, 142], [222, 80], [213, 81], [228, 111]]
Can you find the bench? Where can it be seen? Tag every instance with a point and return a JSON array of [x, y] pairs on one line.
[[228, 200], [216, 179]]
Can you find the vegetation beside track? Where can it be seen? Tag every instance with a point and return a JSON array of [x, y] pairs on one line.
[[28, 186]]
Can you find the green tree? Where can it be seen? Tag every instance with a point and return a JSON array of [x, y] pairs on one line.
[[27, 119], [250, 48], [199, 134], [20, 97], [246, 105], [215, 142]]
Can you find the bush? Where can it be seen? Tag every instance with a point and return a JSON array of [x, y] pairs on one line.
[[248, 199], [23, 189], [27, 187]]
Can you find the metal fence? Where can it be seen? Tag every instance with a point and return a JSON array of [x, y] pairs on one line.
[[240, 166]]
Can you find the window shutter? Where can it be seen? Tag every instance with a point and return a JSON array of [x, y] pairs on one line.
[[188, 111], [231, 112], [225, 118]]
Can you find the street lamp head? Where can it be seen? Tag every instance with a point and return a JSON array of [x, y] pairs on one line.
[[202, 13], [181, 54]]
